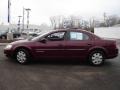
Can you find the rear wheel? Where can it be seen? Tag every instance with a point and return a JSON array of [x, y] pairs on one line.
[[22, 56], [96, 58]]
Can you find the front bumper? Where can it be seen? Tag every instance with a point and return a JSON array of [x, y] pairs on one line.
[[8, 53]]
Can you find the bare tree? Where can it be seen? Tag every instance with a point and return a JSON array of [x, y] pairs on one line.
[[60, 22], [113, 20], [110, 20], [57, 22], [53, 22]]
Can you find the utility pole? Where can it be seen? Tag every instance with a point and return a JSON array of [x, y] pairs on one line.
[[9, 21], [105, 19], [9, 34], [23, 19], [19, 19], [28, 9]]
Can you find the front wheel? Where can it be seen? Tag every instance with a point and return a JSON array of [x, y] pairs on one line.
[[22, 56], [96, 58]]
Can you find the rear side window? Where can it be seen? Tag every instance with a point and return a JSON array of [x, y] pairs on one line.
[[78, 36]]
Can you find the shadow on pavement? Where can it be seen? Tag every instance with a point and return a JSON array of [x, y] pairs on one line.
[[59, 62]]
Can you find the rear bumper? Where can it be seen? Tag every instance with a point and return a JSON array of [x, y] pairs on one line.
[[112, 54]]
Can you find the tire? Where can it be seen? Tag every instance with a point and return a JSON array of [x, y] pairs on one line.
[[96, 58], [22, 56]]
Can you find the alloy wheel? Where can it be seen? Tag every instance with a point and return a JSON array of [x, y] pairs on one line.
[[21, 57], [97, 58]]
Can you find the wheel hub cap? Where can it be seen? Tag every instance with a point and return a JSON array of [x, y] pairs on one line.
[[21, 56], [97, 58]]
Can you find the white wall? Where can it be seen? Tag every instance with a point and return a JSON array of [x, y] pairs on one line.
[[108, 32]]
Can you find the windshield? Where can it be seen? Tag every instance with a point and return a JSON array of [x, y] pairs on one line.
[[40, 35]]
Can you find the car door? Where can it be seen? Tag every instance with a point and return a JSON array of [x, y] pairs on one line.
[[53, 47], [78, 44]]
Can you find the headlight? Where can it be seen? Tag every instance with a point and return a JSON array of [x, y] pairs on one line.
[[8, 46]]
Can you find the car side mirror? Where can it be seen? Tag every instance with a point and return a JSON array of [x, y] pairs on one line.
[[43, 40]]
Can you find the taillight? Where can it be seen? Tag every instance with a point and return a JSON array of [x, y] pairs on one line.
[[117, 44], [114, 44]]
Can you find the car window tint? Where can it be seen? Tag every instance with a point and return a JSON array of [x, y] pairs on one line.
[[78, 36], [56, 36]]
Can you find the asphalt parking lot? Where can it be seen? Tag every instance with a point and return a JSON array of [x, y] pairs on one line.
[[53, 75]]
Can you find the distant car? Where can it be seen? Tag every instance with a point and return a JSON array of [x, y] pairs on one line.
[[27, 36], [33, 34], [3, 34], [63, 44]]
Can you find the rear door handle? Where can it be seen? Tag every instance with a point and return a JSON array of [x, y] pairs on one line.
[[60, 45], [89, 44]]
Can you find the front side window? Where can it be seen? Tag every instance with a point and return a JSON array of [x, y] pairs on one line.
[[78, 36], [57, 36]]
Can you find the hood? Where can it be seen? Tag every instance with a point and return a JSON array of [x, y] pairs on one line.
[[20, 42]]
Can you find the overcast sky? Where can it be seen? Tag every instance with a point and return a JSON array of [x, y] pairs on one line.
[[42, 10]]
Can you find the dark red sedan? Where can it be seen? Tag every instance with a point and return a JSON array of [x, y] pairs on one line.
[[63, 44]]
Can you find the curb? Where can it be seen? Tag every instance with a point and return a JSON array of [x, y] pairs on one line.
[[3, 44]]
